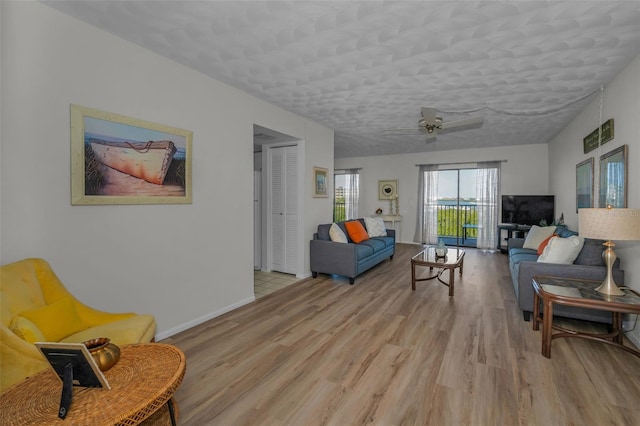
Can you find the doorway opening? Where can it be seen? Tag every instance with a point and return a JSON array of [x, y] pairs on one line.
[[277, 209]]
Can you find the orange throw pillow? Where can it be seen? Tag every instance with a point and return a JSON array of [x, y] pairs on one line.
[[544, 243], [356, 231]]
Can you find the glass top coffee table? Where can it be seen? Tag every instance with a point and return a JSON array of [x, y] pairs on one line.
[[427, 257], [580, 293]]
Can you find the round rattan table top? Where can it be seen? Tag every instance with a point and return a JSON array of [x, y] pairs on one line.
[[143, 380]]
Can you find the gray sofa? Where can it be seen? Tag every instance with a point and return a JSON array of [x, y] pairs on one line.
[[588, 265], [350, 259]]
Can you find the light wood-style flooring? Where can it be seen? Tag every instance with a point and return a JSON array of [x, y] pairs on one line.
[[324, 352]]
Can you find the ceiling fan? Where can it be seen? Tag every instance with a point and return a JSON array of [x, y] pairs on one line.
[[430, 124]]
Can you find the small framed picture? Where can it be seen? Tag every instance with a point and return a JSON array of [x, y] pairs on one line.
[[320, 184], [584, 184], [387, 189], [85, 371]]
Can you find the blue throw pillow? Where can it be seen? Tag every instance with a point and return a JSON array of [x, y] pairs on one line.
[[564, 232]]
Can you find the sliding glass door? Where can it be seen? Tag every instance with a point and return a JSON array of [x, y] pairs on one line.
[[457, 207]]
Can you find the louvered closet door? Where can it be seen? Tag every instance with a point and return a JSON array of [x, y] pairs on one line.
[[284, 209]]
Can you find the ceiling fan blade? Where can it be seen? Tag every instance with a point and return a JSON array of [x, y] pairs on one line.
[[405, 131], [465, 122]]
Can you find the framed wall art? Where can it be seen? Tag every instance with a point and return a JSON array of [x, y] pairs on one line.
[[387, 189], [584, 184], [320, 187], [595, 138], [613, 178], [123, 160]]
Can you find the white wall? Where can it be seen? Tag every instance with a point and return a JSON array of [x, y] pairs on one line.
[[181, 263], [525, 172], [622, 103]]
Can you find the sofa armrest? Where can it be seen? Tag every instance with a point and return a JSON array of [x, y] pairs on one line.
[[333, 258], [391, 233], [515, 243]]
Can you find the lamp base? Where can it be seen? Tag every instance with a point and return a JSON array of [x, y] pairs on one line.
[[609, 286], [610, 289]]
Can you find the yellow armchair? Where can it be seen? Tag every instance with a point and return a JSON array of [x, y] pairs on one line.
[[35, 306]]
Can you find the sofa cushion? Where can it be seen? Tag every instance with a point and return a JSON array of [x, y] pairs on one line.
[[337, 235], [376, 244], [562, 250], [388, 241], [519, 250], [591, 253], [356, 231], [536, 235], [375, 227], [523, 257], [56, 320], [363, 251]]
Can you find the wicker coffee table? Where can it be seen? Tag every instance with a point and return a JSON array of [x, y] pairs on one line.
[[142, 385], [427, 257]]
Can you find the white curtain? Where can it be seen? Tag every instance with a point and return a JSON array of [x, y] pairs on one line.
[[352, 194], [427, 214], [487, 188]]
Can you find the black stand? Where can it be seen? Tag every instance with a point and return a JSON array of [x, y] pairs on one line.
[[67, 391]]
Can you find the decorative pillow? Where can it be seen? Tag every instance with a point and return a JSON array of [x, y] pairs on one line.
[[26, 330], [336, 234], [562, 250], [375, 227], [537, 234], [591, 253], [564, 232], [356, 231], [544, 243], [57, 320]]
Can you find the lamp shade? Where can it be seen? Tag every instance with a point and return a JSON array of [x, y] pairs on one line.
[[609, 224]]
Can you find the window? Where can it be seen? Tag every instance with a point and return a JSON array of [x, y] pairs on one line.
[[346, 194]]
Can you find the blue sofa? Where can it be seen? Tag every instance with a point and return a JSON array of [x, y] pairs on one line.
[[588, 265], [350, 259]]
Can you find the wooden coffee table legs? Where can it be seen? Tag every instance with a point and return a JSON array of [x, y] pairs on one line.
[[450, 268]]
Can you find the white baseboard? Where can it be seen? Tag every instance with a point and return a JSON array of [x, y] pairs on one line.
[[187, 325]]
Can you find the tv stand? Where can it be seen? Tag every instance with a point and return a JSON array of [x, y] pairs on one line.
[[512, 230]]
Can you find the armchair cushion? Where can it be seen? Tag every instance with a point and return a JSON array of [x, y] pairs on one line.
[[57, 320], [26, 330]]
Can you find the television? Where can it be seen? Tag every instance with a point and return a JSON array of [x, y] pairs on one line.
[[528, 209]]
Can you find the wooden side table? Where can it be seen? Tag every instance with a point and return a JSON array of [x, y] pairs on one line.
[[142, 383], [580, 293]]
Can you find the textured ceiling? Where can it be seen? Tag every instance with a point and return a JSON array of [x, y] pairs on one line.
[[363, 67]]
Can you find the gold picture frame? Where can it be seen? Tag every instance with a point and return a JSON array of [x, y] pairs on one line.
[[122, 160], [387, 189], [320, 183]]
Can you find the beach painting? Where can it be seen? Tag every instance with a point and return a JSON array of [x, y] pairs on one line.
[[122, 160]]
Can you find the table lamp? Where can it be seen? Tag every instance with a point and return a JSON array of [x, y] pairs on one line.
[[609, 224]]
